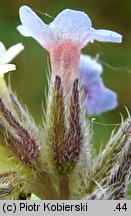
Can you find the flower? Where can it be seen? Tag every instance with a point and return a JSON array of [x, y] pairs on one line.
[[7, 55], [98, 98], [70, 26], [6, 68], [64, 37]]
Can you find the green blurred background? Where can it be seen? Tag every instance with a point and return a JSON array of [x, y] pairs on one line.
[[29, 81]]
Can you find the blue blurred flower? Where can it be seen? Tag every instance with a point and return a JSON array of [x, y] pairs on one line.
[[98, 98]]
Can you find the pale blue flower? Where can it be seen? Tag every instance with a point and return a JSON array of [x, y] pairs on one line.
[[98, 98], [64, 38], [70, 26]]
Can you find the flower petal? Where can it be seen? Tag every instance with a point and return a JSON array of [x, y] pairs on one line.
[[2, 51], [71, 25], [33, 26], [6, 68], [24, 31], [89, 69], [12, 52], [100, 99], [106, 36]]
